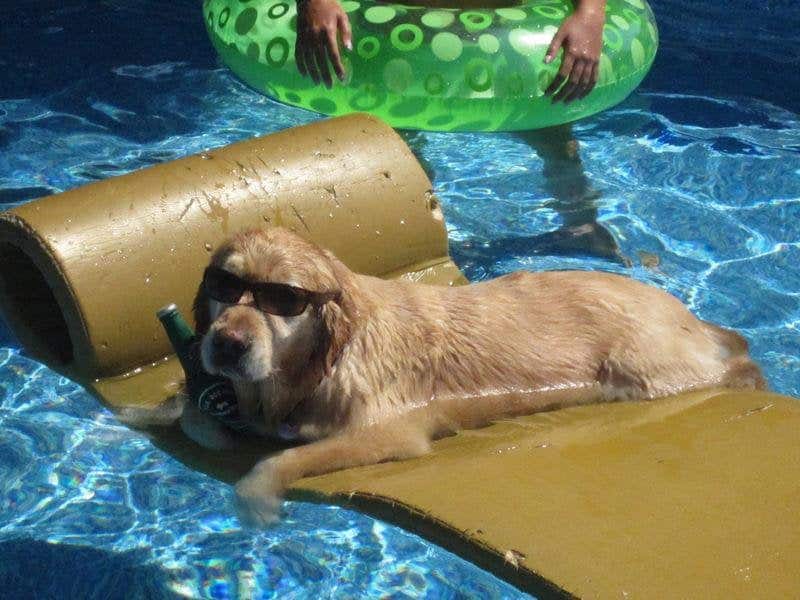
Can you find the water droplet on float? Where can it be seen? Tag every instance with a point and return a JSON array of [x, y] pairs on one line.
[[402, 221]]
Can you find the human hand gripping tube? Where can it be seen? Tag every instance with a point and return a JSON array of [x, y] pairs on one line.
[[213, 395]]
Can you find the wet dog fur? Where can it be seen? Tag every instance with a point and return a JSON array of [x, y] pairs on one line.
[[384, 367]]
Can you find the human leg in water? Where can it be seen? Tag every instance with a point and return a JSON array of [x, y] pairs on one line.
[[572, 197]]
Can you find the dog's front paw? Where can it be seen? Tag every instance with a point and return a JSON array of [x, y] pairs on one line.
[[258, 496]]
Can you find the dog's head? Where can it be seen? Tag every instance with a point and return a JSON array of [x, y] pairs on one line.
[[270, 305]]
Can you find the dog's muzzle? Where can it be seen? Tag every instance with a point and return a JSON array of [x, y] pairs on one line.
[[228, 346]]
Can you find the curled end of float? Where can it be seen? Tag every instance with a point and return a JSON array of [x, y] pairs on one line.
[[82, 273], [34, 296]]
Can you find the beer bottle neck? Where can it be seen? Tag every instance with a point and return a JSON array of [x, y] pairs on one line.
[[178, 330]]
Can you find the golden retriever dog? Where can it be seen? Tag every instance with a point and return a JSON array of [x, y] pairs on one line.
[[364, 370]]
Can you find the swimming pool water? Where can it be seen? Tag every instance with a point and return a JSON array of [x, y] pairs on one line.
[[697, 177], [91, 509]]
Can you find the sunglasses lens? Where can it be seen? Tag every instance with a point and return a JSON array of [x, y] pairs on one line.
[[223, 286], [281, 300], [272, 298]]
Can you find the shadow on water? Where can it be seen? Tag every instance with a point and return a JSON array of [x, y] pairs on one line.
[[36, 569], [571, 196], [589, 240]]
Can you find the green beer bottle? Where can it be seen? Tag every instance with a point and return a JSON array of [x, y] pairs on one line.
[[212, 394]]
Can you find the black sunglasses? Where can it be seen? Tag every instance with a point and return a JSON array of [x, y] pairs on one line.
[[273, 298]]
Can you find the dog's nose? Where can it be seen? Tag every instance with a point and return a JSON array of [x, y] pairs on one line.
[[229, 346]]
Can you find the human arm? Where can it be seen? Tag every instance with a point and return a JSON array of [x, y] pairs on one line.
[[319, 24], [581, 37]]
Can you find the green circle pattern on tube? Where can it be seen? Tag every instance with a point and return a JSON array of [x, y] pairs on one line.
[[436, 69]]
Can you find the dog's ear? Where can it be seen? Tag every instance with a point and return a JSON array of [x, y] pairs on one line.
[[202, 311], [336, 331], [336, 325]]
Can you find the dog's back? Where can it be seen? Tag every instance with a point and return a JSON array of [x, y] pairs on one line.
[[550, 329]]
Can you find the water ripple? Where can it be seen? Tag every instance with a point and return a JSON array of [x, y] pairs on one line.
[[72, 475]]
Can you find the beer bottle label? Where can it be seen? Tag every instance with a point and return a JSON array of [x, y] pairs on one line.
[[213, 395], [219, 401]]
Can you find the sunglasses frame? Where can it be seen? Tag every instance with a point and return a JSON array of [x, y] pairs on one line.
[[258, 289]]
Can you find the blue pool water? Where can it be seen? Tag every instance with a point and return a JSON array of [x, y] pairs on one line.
[[696, 176]]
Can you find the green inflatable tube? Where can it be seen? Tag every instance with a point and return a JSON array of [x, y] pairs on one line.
[[432, 68]]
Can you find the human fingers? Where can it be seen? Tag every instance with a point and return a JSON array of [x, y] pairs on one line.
[[299, 59], [321, 58], [333, 54], [555, 44], [572, 85], [563, 74], [554, 85], [310, 62], [344, 30], [582, 83], [591, 80]]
